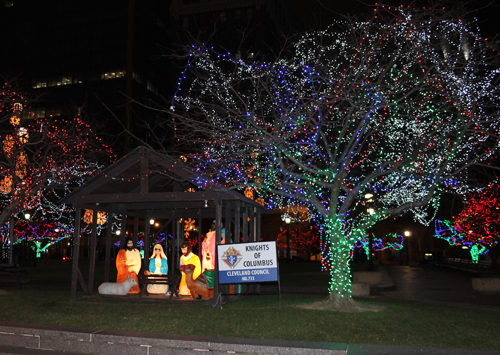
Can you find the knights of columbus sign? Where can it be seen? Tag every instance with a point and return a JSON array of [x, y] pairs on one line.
[[231, 257]]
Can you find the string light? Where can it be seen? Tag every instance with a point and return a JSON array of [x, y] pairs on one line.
[[44, 159], [476, 227], [42, 235], [389, 242], [401, 106]]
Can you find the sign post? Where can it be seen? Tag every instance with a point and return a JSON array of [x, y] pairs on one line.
[[247, 263]]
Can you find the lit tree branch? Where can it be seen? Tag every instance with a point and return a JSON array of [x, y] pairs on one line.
[[404, 106]]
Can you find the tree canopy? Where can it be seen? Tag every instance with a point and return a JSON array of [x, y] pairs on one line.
[[42, 158], [477, 225], [403, 106]]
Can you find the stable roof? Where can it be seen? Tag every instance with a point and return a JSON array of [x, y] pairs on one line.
[[145, 183]]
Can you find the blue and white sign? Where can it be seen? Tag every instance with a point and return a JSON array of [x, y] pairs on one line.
[[247, 262]]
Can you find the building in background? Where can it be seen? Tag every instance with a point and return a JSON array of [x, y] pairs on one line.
[[94, 55], [247, 29]]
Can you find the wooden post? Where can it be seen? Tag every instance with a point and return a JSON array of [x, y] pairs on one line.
[[237, 222], [123, 229], [258, 235], [76, 253], [218, 222], [147, 232], [136, 230], [11, 240], [227, 223], [173, 262], [251, 237], [178, 241], [107, 256], [93, 242], [245, 223], [199, 241]]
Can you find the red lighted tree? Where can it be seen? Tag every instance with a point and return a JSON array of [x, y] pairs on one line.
[[42, 158], [307, 242], [477, 226]]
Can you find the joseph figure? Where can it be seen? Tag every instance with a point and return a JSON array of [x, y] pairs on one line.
[[128, 264]]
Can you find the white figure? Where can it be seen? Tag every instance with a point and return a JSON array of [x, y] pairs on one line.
[[117, 288]]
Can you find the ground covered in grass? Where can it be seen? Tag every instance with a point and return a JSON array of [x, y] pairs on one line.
[[402, 323]]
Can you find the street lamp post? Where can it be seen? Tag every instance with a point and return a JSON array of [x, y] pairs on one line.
[[369, 203], [407, 235], [288, 220]]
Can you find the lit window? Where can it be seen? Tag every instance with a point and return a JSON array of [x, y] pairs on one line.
[[55, 82], [25, 115], [137, 77], [8, 3], [223, 16], [151, 87], [53, 113], [38, 84], [40, 112], [113, 75], [66, 80]]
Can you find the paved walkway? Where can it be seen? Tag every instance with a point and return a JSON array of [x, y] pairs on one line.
[[429, 285], [436, 284]]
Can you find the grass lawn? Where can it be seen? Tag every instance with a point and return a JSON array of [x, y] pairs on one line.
[[402, 323]]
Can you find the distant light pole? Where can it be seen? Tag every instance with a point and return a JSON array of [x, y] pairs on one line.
[[407, 235], [369, 199], [288, 220]]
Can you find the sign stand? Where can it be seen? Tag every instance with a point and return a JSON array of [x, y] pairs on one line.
[[279, 287], [239, 263]]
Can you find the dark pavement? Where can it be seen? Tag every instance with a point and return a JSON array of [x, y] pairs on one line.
[[435, 284], [430, 284]]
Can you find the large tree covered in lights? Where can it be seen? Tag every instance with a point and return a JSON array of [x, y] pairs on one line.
[[403, 106], [42, 158]]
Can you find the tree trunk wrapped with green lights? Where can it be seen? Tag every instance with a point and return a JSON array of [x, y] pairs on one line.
[[404, 107]]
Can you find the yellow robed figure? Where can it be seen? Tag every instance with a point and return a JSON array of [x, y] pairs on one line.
[[187, 258]]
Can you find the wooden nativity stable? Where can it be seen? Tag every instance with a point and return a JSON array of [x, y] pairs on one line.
[[144, 186]]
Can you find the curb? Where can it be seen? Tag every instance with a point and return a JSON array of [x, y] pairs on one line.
[[102, 341], [31, 339]]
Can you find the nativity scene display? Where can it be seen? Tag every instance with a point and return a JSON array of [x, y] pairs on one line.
[[191, 278]]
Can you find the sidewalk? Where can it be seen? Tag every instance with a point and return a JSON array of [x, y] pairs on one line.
[[18, 338], [437, 285]]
